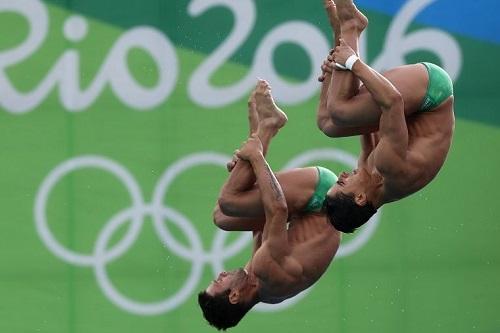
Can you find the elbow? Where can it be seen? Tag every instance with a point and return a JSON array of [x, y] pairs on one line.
[[227, 205], [218, 218], [224, 205], [216, 215], [326, 126], [339, 114], [333, 125], [394, 101]]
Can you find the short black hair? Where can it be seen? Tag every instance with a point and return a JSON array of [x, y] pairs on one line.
[[219, 312], [345, 214]]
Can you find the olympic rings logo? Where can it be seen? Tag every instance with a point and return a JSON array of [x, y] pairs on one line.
[[103, 254]]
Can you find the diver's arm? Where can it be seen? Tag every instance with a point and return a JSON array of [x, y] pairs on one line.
[[392, 148]]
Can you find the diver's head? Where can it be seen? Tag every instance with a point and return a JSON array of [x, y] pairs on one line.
[[348, 204], [228, 298]]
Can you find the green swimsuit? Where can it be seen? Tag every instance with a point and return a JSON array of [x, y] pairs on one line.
[[439, 88], [326, 179]]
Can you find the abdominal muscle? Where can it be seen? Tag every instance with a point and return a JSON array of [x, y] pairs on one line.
[[314, 242]]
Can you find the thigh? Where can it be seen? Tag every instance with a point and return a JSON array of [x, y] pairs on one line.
[[362, 110], [298, 185], [231, 223]]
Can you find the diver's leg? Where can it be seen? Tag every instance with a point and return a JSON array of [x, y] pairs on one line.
[[239, 195], [349, 111], [324, 117]]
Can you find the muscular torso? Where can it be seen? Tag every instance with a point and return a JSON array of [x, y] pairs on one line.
[[429, 133], [313, 242]]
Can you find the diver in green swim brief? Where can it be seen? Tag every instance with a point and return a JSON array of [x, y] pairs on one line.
[[304, 188], [293, 240], [439, 87], [404, 117], [326, 179]]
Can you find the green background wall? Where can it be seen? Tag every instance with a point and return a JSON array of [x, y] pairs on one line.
[[112, 161]]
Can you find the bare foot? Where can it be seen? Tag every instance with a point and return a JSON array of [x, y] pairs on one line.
[[253, 117], [331, 12], [270, 115], [349, 16]]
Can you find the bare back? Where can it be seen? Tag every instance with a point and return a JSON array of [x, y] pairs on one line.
[[430, 136], [429, 132]]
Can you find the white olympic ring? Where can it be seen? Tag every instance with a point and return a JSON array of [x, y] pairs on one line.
[[135, 214]]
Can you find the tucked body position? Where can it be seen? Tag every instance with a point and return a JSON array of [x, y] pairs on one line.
[[404, 118], [293, 240]]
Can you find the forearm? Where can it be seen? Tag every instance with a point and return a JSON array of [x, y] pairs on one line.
[[393, 136], [231, 223], [393, 145], [392, 126], [275, 208], [272, 195]]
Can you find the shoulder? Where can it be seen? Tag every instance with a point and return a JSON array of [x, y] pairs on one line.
[[400, 181], [267, 268]]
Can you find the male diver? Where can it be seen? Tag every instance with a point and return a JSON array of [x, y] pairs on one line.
[[287, 258], [404, 116]]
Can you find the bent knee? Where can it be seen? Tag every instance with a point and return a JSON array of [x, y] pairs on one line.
[[339, 114], [226, 205], [218, 218], [216, 215], [329, 129], [221, 224], [333, 125]]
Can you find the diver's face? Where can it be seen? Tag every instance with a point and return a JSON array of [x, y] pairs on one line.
[[349, 183], [225, 281]]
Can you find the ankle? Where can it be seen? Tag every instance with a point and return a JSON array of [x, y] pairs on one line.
[[269, 127], [351, 26]]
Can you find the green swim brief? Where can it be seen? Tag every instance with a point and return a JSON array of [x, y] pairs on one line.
[[439, 88], [326, 179]]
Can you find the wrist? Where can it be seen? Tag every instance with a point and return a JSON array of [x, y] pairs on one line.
[[356, 67], [349, 63], [256, 156]]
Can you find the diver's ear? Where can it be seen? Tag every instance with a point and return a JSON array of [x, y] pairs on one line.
[[360, 199], [234, 296]]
